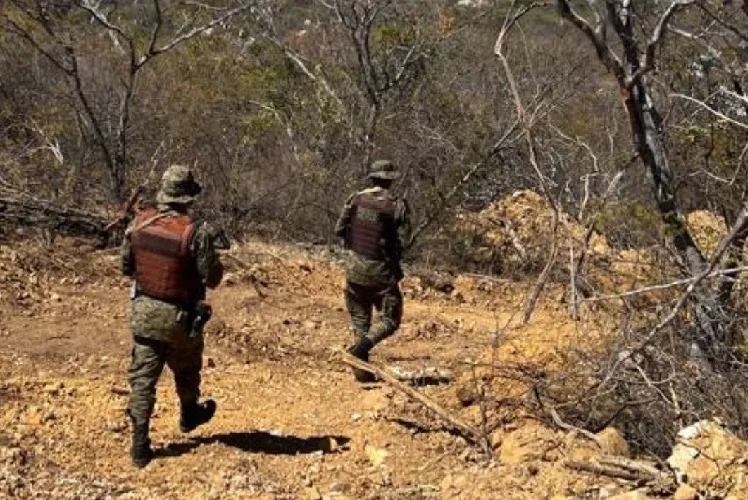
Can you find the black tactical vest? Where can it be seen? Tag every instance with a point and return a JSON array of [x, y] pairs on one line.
[[373, 227]]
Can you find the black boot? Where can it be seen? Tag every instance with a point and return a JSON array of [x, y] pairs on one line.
[[361, 351], [196, 415], [141, 451]]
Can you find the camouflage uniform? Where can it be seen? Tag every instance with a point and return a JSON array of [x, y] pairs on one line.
[[374, 284], [161, 330]]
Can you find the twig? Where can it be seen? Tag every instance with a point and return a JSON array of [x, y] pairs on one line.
[[664, 286], [574, 302]]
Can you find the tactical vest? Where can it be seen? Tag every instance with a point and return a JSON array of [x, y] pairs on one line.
[[164, 267], [372, 227]]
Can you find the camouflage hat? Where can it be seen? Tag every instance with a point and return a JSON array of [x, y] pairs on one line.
[[178, 186], [383, 169]]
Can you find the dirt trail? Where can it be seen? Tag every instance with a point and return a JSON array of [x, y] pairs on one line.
[[292, 423]]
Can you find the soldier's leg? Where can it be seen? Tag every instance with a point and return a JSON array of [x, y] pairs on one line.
[[145, 368], [185, 360], [359, 304], [147, 363], [391, 314]]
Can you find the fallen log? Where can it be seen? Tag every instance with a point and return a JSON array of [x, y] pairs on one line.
[[466, 431], [608, 471], [30, 212], [624, 468], [635, 466], [426, 376]]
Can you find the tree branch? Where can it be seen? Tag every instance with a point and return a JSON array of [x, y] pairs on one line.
[[655, 41], [611, 61]]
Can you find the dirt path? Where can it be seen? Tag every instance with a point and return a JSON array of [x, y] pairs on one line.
[[292, 423]]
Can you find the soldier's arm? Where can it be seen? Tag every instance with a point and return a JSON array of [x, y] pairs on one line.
[[127, 259], [402, 219], [344, 221], [208, 263]]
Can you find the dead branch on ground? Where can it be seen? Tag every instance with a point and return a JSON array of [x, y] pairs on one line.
[[466, 431]]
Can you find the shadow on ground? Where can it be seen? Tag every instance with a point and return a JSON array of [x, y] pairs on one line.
[[260, 442]]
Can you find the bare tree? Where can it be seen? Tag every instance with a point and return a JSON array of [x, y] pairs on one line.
[[47, 28]]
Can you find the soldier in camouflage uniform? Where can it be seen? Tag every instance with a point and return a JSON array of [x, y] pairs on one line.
[[372, 224], [172, 260]]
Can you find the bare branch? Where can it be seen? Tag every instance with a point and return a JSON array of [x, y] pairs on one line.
[[611, 61], [194, 32], [655, 40], [157, 28], [664, 286], [712, 110]]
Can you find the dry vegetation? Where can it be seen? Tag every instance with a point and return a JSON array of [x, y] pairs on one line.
[[577, 174]]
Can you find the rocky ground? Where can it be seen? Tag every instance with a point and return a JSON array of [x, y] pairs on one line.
[[292, 423]]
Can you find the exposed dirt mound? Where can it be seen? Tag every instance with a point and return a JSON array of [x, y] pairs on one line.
[[707, 229], [513, 237]]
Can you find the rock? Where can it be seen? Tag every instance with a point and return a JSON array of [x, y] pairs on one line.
[[375, 401], [686, 492], [710, 458], [310, 325], [116, 426], [612, 442], [528, 443], [54, 388], [210, 362], [496, 439], [376, 456], [632, 495], [33, 416], [313, 494], [355, 417], [467, 395], [340, 487], [608, 491]]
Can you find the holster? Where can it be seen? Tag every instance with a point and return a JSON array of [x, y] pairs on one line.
[[198, 317]]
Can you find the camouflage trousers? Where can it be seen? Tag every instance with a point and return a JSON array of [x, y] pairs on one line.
[[362, 300], [184, 356]]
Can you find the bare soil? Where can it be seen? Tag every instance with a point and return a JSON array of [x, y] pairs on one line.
[[291, 421]]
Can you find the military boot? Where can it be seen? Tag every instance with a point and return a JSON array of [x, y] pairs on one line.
[[196, 415], [361, 351], [141, 451]]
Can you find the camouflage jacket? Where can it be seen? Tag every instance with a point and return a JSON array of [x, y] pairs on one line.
[[369, 272], [159, 320]]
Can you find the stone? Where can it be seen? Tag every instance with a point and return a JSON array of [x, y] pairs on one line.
[[709, 458], [528, 443], [686, 492], [54, 388], [376, 456], [313, 494], [467, 395], [613, 443], [632, 495], [608, 491], [375, 401]]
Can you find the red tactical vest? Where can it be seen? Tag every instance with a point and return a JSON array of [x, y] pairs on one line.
[[164, 267], [372, 226]]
